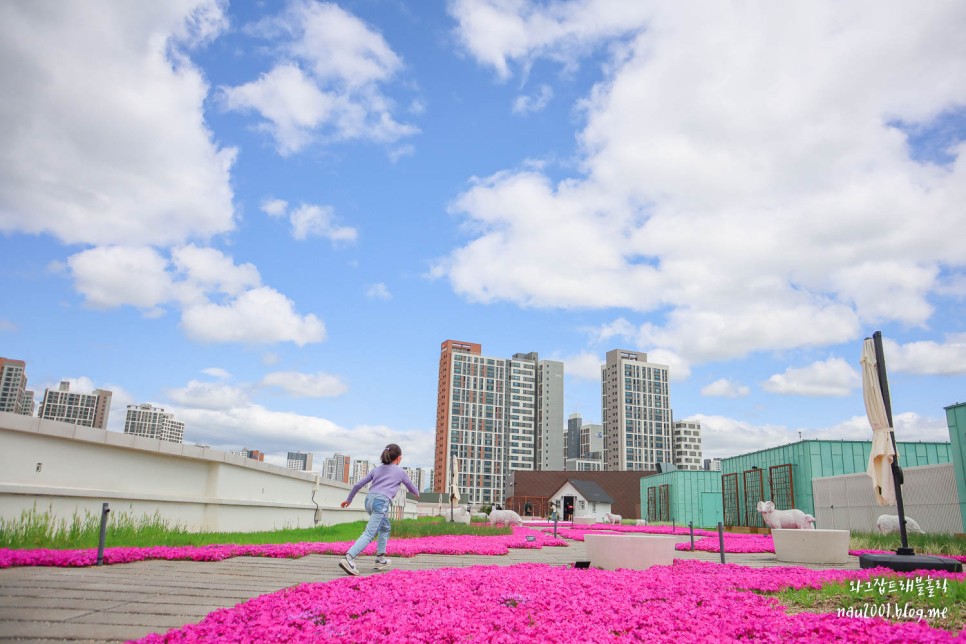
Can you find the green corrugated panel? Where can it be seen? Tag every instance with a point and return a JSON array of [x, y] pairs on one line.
[[956, 421]]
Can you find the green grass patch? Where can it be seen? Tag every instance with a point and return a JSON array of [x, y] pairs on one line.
[[940, 602], [41, 530], [933, 544]]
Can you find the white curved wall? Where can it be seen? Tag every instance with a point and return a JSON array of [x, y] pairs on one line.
[[71, 470]]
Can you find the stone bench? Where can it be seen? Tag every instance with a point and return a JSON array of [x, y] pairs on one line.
[[585, 520], [811, 546], [631, 551]]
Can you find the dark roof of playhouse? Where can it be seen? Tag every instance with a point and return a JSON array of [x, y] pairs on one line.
[[591, 491], [623, 487]]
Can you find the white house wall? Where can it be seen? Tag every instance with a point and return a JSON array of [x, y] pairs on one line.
[[71, 470]]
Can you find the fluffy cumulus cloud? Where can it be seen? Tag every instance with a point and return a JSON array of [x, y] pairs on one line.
[[124, 156], [832, 377], [527, 104], [305, 385], [219, 300], [725, 388], [932, 358], [310, 220], [747, 178], [327, 82]]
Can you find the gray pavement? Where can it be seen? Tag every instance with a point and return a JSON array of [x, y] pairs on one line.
[[128, 601]]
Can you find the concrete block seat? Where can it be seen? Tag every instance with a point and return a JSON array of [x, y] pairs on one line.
[[631, 551], [585, 520], [811, 546]]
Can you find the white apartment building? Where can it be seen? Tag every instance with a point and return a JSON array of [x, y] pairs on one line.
[[686, 435], [89, 410], [591, 441], [153, 422], [338, 468], [14, 395], [495, 415], [299, 461], [417, 476], [636, 412], [360, 469]]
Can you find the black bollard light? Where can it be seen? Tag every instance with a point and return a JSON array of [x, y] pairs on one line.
[[691, 528], [100, 544], [721, 540]]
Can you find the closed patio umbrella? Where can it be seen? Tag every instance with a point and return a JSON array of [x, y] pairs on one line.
[[454, 490], [883, 453]]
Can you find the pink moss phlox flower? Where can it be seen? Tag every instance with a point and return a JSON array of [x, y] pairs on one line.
[[690, 601], [442, 545]]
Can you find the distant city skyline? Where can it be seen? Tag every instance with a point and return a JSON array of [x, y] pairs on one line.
[[263, 218]]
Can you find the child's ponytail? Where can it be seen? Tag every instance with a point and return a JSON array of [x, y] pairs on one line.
[[391, 453]]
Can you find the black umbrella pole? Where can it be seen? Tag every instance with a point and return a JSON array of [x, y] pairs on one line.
[[880, 366]]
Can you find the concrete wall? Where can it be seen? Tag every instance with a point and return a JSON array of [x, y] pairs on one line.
[[68, 470], [929, 496]]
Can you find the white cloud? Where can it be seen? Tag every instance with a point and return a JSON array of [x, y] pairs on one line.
[[524, 104], [832, 377], [319, 221], [326, 85], [747, 186], [217, 372], [209, 395], [111, 276], [123, 157], [258, 315], [725, 388], [306, 385], [927, 358], [274, 207], [585, 366], [378, 291], [275, 432]]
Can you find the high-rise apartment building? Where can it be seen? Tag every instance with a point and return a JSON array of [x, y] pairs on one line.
[[253, 454], [89, 410], [337, 468], [574, 423], [636, 412], [495, 415], [686, 435], [360, 469], [417, 476], [591, 441], [153, 422], [14, 395], [299, 461]]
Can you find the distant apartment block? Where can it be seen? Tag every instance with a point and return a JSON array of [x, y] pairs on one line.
[[495, 415], [418, 476], [572, 442], [153, 422], [591, 442], [636, 412], [687, 444], [337, 468], [360, 469], [299, 461], [253, 454], [712, 464], [14, 395], [584, 465], [89, 410]]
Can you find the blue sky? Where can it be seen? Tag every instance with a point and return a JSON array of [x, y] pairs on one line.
[[266, 217]]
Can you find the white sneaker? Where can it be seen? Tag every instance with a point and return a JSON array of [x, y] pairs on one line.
[[382, 562], [349, 565]]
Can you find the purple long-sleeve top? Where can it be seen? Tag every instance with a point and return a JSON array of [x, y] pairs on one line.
[[385, 480]]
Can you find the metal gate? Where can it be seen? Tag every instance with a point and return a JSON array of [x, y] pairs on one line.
[[651, 504], [754, 492], [729, 499], [664, 502], [782, 486]]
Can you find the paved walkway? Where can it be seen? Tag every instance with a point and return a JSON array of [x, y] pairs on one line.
[[127, 601]]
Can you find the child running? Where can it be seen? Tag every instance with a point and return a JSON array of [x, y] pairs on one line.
[[385, 479]]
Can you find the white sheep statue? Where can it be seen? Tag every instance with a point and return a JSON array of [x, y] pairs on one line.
[[459, 515], [505, 517], [889, 524], [612, 518], [786, 519]]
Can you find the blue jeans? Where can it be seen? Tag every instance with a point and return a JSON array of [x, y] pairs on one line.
[[378, 508]]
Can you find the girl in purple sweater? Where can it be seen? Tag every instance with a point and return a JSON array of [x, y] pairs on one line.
[[385, 479]]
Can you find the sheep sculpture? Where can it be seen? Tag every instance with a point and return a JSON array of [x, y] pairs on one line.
[[785, 519], [458, 515], [506, 517], [612, 518], [889, 524]]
